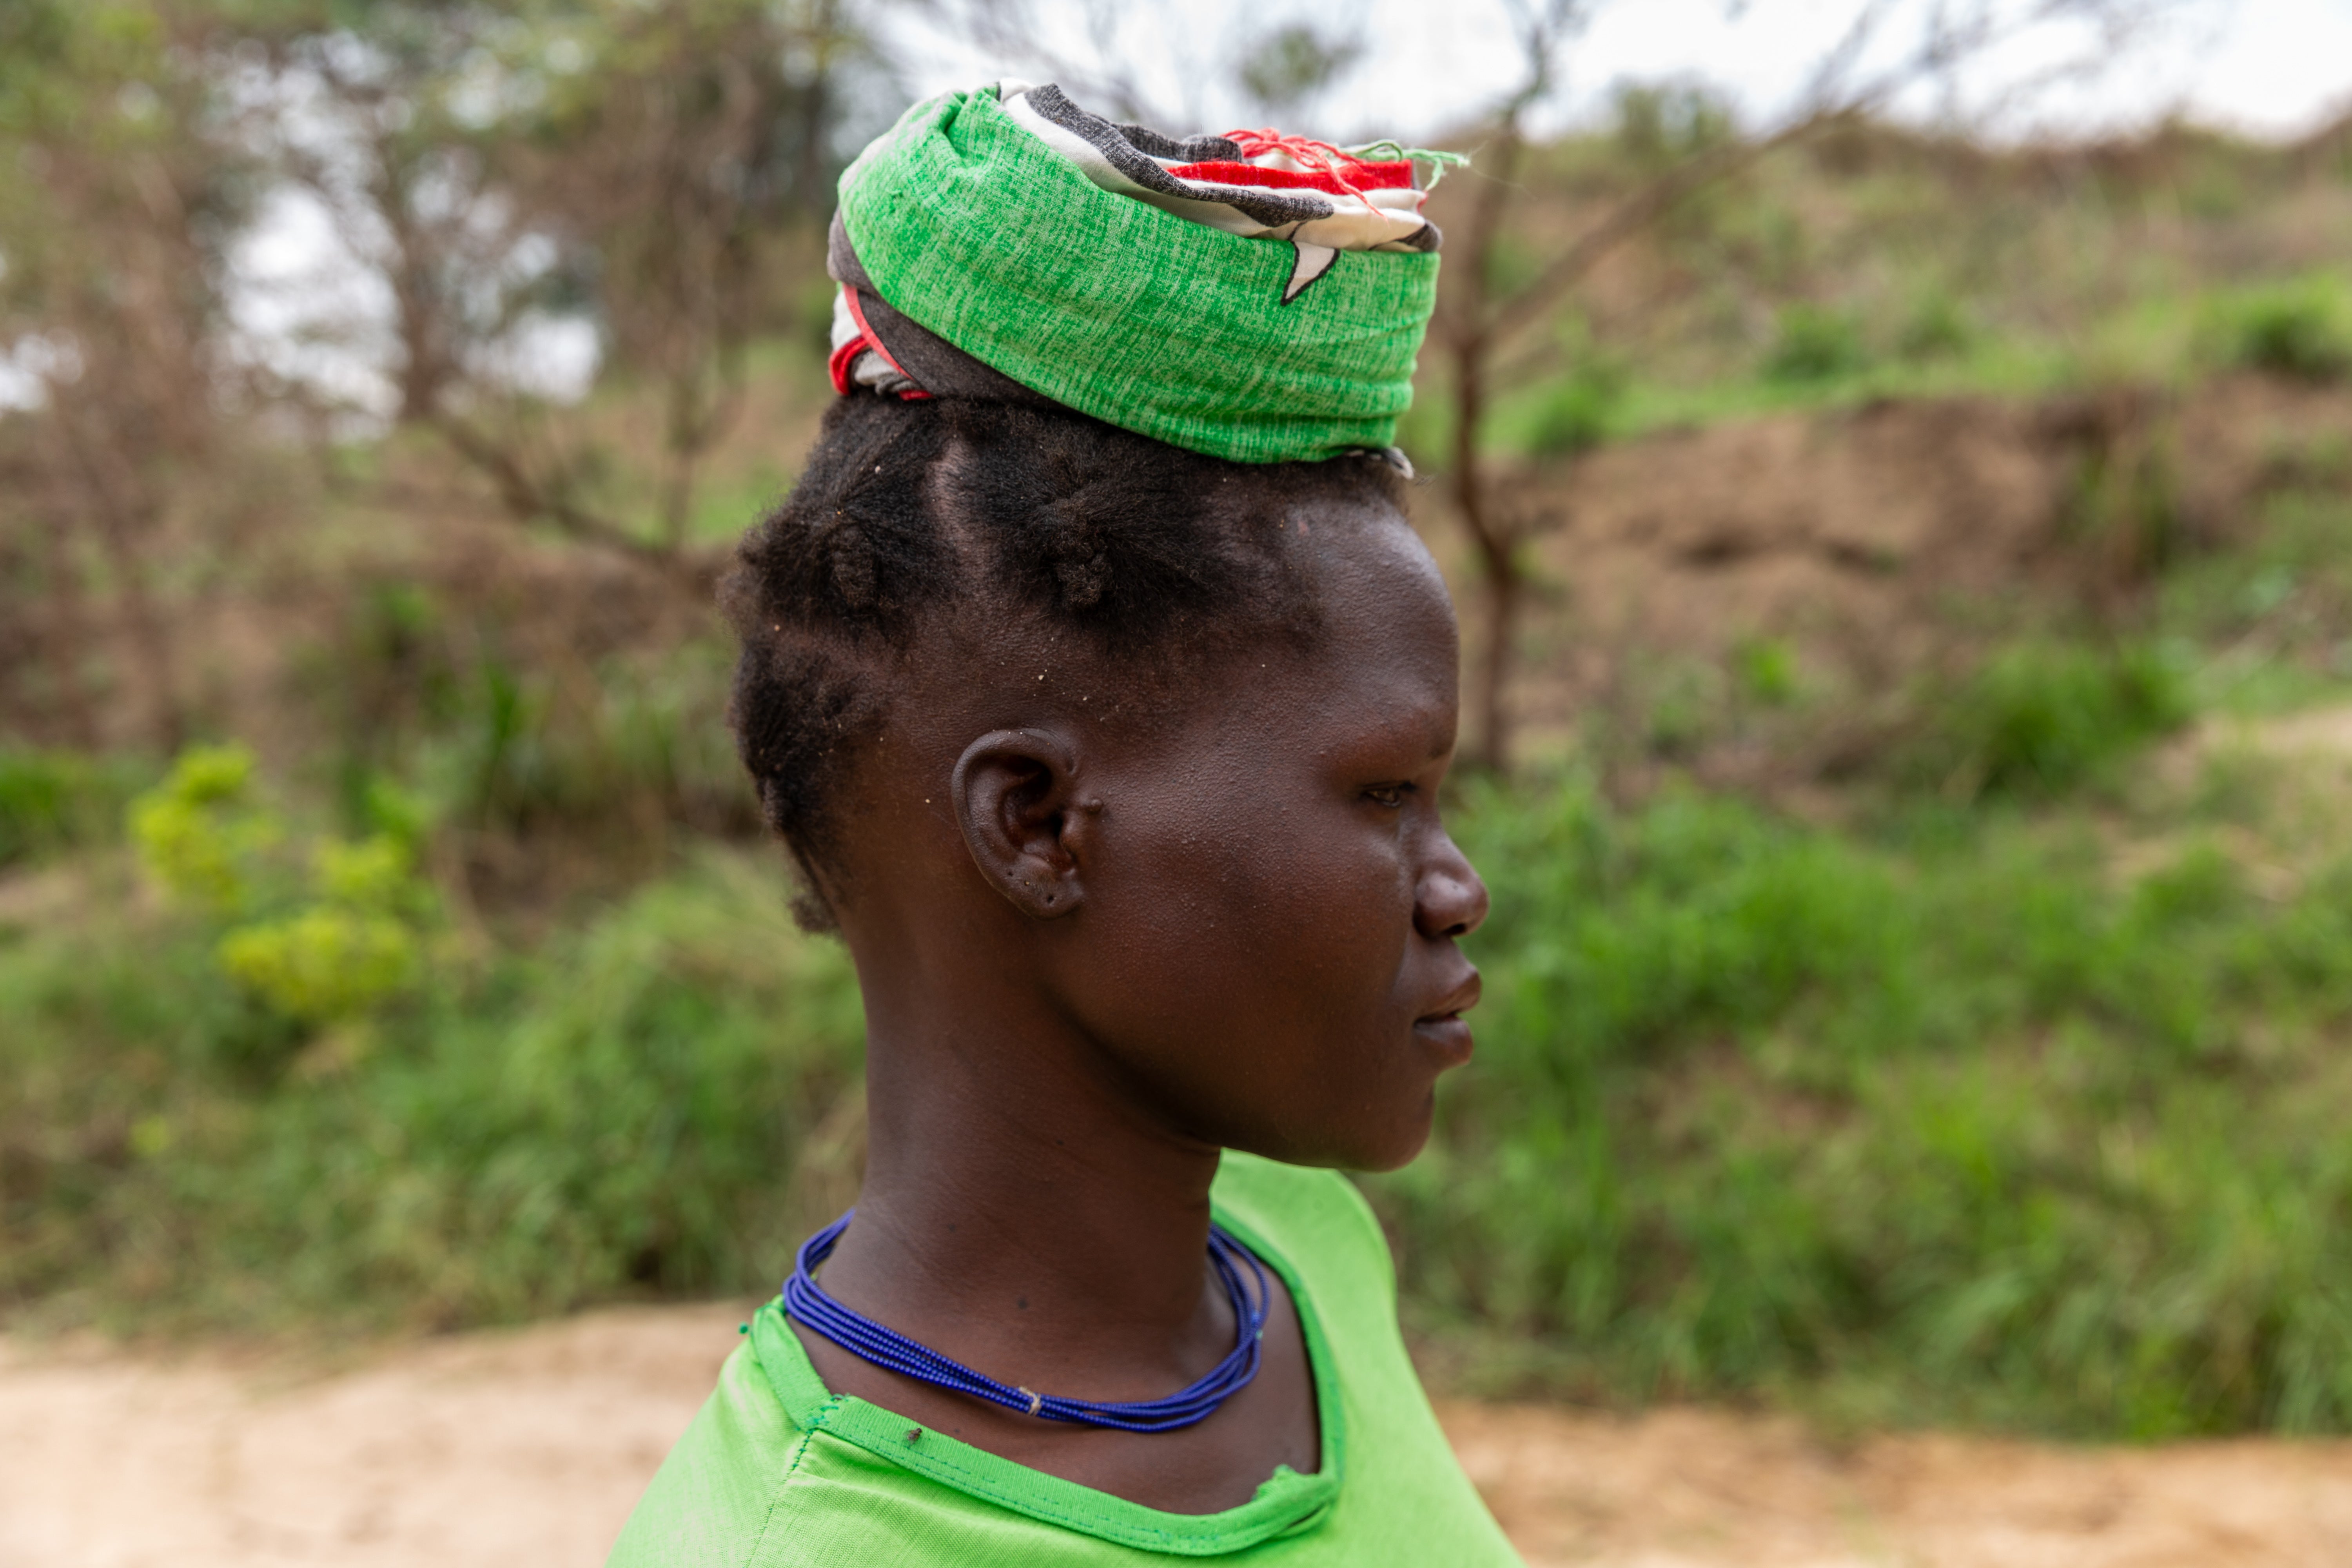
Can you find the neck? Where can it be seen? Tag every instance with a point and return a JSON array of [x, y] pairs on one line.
[[1019, 1208]]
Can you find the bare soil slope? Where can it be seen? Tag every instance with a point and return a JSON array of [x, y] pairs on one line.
[[1877, 540], [528, 1448]]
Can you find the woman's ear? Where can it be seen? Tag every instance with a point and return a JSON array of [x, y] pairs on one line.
[[1015, 798]]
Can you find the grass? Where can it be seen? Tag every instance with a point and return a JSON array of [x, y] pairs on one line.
[[1959, 1114], [52, 801], [2301, 328], [1818, 357], [2044, 717], [1870, 263], [2279, 609], [1952, 1122], [621, 1113], [2014, 1097]]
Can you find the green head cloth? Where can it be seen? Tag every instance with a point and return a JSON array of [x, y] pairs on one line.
[[1255, 297]]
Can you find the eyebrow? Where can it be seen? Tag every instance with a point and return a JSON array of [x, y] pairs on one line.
[[1403, 722], [1431, 717]]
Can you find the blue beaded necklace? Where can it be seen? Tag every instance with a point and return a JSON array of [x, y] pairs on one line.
[[862, 1337]]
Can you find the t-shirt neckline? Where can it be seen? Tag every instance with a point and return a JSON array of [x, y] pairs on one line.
[[1285, 1502]]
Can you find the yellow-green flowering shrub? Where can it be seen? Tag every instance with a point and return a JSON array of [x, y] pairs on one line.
[[327, 945], [324, 963], [199, 833]]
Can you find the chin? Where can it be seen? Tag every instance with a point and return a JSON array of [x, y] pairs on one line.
[[1389, 1146], [1368, 1149], [1397, 1152]]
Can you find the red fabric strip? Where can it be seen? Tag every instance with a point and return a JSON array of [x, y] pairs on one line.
[[849, 352], [843, 358], [1384, 176]]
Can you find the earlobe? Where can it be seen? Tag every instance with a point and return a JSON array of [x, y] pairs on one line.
[[1013, 791]]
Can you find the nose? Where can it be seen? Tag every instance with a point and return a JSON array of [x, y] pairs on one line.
[[1449, 899]]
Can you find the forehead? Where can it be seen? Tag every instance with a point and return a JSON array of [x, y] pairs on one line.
[[1377, 593], [1389, 636], [1383, 660]]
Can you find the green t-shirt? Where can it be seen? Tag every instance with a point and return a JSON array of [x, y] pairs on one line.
[[779, 1472]]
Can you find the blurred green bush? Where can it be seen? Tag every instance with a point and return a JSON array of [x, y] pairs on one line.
[[334, 945], [2041, 718], [1578, 412], [622, 1112], [1938, 327], [1947, 1121], [1963, 1130], [2301, 328], [54, 799], [1816, 344]]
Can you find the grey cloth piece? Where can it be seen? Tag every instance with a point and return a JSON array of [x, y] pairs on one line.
[[938, 366]]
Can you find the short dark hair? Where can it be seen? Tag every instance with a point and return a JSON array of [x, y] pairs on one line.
[[909, 512]]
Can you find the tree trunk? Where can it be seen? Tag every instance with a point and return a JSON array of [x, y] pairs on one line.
[[1499, 597], [124, 523], [66, 650], [1498, 565]]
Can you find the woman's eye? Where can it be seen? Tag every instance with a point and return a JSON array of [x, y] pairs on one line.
[[1390, 796]]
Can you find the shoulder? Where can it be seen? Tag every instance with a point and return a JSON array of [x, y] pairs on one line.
[[714, 1499], [1315, 1219]]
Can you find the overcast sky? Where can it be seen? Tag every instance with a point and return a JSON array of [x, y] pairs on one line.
[[2271, 67]]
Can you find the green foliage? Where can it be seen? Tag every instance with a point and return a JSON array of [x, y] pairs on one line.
[[448, 714], [622, 1112], [1292, 64], [200, 833], [61, 59], [1938, 327], [1659, 125], [1886, 265], [1816, 343], [1579, 411], [1949, 1120], [2281, 604], [517, 748], [334, 946], [2042, 718], [52, 801], [2302, 330], [1963, 1129], [1765, 670], [335, 959]]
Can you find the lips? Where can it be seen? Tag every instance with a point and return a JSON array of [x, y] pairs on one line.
[[1442, 1026]]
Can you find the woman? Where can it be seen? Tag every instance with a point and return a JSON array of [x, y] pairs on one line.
[[1102, 693]]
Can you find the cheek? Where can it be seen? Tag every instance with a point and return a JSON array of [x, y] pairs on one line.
[[1252, 969], [1304, 927]]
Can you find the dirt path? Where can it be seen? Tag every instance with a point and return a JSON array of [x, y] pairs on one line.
[[526, 1448]]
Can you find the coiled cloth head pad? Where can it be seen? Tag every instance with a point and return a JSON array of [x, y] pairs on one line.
[[1255, 297]]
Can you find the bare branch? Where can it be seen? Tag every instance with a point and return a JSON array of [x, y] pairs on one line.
[[1635, 214], [1947, 43], [1823, 88], [527, 498], [1011, 32], [1476, 325]]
